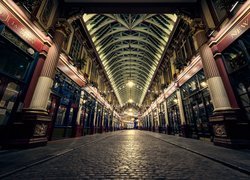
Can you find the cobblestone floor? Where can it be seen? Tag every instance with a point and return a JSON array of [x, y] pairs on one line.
[[129, 155]]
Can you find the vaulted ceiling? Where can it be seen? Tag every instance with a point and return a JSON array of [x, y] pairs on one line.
[[130, 47]]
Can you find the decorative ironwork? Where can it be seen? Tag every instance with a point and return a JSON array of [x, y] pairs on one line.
[[130, 47]]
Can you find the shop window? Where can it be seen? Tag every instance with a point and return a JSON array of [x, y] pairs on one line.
[[7, 101], [237, 61], [190, 87], [14, 63], [197, 105], [237, 56], [61, 115], [71, 114]]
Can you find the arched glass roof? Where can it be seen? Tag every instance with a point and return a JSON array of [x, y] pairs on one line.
[[130, 47]]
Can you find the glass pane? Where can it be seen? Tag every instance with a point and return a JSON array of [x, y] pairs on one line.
[[235, 56], [7, 102], [13, 63], [60, 115], [70, 116]]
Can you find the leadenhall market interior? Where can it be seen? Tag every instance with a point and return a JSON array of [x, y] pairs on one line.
[[74, 68]]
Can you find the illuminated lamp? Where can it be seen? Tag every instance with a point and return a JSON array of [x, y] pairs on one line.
[[130, 84], [130, 100]]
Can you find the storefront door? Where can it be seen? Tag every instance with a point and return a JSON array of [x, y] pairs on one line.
[[174, 119], [53, 105]]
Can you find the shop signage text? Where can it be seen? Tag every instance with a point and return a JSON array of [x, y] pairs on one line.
[[21, 30], [233, 34]]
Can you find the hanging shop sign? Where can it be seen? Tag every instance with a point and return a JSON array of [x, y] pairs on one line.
[[21, 30]]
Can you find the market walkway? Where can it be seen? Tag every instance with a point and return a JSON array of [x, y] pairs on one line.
[[130, 154]]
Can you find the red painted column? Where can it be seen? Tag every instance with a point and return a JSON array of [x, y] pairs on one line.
[[34, 79], [31, 126], [226, 81]]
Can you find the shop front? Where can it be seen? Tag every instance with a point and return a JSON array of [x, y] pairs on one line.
[[237, 61], [18, 61], [197, 106], [173, 115], [98, 120], [89, 109], [63, 106], [230, 47]]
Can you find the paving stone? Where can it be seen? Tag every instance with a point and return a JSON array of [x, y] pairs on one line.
[[129, 155]]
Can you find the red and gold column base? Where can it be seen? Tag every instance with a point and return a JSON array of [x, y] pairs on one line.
[[230, 130], [30, 128]]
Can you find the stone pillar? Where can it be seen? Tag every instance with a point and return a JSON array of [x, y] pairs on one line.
[[215, 84], [95, 123], [147, 123], [182, 113], [78, 126], [113, 120], [158, 128], [225, 121], [226, 81], [30, 126], [153, 121], [34, 79], [101, 122], [166, 117], [41, 95]]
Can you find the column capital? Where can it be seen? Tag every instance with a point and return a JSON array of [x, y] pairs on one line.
[[200, 37], [63, 26]]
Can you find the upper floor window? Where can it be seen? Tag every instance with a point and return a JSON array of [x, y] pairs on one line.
[[47, 12], [76, 46], [220, 9], [31, 5]]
